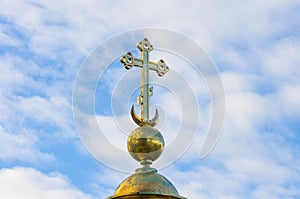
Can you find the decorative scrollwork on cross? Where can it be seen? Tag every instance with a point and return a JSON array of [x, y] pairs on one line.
[[145, 45], [127, 60]]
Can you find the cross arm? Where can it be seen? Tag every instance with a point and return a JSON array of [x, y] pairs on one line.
[[129, 60], [160, 67]]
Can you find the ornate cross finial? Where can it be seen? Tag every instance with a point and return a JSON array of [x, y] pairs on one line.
[[143, 99]]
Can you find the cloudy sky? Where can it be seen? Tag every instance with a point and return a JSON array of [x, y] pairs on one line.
[[255, 46]]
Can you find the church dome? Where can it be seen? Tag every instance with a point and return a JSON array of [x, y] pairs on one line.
[[146, 184]]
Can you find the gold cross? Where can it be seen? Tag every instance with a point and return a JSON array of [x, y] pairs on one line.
[[143, 99]]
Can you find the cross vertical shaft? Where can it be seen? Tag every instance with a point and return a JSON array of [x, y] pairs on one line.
[[145, 87]]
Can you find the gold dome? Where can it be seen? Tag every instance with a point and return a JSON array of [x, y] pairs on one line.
[[146, 183], [145, 144]]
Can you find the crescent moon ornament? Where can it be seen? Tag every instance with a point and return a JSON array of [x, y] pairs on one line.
[[135, 117], [138, 120], [160, 67], [153, 122]]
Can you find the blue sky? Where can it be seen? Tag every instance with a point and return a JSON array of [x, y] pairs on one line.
[[255, 46]]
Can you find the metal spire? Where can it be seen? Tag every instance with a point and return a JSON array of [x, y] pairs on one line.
[[145, 143]]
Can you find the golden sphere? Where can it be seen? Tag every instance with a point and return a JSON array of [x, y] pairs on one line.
[[145, 144]]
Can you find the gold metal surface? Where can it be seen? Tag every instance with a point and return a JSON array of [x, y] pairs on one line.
[[143, 99], [145, 144], [144, 196], [146, 184]]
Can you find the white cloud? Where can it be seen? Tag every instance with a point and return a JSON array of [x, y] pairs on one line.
[[31, 108], [281, 60], [9, 77], [21, 146], [54, 111], [29, 183], [289, 98]]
